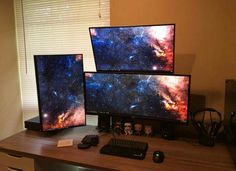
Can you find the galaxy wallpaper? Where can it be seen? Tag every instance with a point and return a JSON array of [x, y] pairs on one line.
[[151, 96], [134, 48], [60, 90]]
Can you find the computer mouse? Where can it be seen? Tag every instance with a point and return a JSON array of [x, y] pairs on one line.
[[158, 156]]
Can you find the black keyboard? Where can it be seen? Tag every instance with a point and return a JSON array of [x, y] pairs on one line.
[[125, 148]]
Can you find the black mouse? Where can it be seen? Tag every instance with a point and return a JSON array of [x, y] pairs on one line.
[[158, 156]]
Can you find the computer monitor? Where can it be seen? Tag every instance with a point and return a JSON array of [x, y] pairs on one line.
[[60, 90], [134, 48], [151, 96]]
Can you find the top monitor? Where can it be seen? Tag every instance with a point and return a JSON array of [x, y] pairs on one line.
[[134, 48]]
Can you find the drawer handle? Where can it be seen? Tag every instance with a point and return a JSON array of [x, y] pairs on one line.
[[13, 155], [13, 169]]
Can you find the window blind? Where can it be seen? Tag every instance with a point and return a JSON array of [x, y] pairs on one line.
[[54, 27]]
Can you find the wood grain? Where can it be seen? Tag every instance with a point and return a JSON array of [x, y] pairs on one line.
[[179, 154]]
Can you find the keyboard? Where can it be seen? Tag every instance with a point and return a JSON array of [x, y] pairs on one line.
[[125, 148]]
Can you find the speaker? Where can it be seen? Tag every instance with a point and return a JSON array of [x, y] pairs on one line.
[[229, 111], [104, 123], [196, 102], [168, 130], [233, 127]]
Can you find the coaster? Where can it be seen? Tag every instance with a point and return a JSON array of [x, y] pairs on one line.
[[65, 143]]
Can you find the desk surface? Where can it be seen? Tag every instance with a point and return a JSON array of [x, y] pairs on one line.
[[179, 154]]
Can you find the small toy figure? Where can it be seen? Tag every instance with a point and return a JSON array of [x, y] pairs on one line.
[[138, 129], [128, 128], [148, 130], [118, 127]]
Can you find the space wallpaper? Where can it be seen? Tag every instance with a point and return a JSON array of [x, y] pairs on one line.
[[60, 90], [145, 48], [152, 96]]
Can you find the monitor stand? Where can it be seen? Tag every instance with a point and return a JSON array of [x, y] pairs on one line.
[[168, 130], [104, 123]]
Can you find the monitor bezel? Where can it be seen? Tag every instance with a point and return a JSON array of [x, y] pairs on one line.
[[135, 71], [138, 116], [38, 91]]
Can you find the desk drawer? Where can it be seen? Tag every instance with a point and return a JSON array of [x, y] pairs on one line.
[[12, 162], [5, 168]]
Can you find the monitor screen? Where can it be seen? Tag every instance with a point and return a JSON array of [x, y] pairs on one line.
[[60, 90], [134, 48], [162, 97]]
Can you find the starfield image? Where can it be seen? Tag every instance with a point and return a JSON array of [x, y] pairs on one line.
[[134, 48], [60, 90], [150, 96]]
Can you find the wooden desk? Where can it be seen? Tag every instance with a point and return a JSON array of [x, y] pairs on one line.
[[180, 155]]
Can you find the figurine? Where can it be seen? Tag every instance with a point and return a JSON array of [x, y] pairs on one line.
[[128, 128], [138, 129], [118, 127], [148, 130]]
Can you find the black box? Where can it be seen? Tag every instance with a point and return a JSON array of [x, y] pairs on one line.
[[33, 124], [230, 106]]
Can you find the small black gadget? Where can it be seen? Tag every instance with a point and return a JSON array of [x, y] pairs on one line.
[[158, 156], [90, 139]]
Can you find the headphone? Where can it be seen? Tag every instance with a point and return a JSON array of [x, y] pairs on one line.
[[207, 135]]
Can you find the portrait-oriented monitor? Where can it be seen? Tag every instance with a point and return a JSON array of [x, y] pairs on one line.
[[134, 48], [60, 90], [162, 97]]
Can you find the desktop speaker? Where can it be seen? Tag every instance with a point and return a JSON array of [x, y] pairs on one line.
[[230, 111], [168, 130], [233, 127], [104, 123]]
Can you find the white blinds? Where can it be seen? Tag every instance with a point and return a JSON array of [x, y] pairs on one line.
[[54, 27]]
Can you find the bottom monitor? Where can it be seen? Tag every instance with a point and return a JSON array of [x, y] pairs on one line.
[[162, 97]]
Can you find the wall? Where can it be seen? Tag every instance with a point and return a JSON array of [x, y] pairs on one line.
[[205, 38], [10, 103]]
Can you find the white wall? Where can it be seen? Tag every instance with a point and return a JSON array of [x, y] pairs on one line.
[[10, 103], [205, 38]]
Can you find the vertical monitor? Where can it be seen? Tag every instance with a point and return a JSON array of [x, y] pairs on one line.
[[134, 48], [60, 91], [152, 96]]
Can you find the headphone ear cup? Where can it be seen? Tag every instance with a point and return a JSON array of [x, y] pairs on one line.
[[197, 125], [203, 128], [215, 128]]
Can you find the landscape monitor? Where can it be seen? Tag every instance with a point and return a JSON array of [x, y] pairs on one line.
[[134, 48], [151, 96], [60, 90]]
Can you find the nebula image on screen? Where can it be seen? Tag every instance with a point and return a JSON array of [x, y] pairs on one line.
[[162, 97], [134, 48], [60, 90]]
